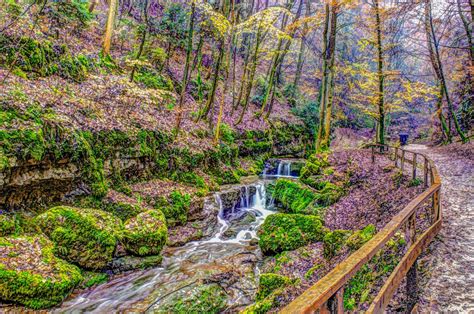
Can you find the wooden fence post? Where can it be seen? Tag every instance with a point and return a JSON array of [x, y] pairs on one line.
[[396, 156], [412, 285], [436, 204], [426, 173], [414, 166], [402, 161]]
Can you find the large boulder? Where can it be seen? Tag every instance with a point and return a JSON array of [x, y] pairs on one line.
[[31, 275], [84, 236], [286, 232], [145, 234]]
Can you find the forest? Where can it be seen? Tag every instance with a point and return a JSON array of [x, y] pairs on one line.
[[236, 156]]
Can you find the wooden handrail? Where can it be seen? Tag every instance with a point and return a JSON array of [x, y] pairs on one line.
[[330, 287]]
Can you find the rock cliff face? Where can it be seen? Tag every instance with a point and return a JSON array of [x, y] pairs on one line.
[[87, 164], [29, 184]]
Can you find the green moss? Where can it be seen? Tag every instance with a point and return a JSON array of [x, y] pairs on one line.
[[152, 79], [42, 59], [94, 279], [87, 237], [294, 197], [146, 234], [7, 225], [283, 232], [312, 270], [415, 182], [333, 242], [177, 211], [315, 165], [203, 299], [36, 288], [269, 282], [360, 237]]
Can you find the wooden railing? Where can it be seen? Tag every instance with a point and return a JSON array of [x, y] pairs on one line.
[[327, 294]]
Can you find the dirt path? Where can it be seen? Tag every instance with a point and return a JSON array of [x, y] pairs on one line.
[[448, 282]]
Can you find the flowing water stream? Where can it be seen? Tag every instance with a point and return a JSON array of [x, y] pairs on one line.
[[232, 249], [185, 266]]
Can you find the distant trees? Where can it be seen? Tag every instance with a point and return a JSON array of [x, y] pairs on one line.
[[243, 52]]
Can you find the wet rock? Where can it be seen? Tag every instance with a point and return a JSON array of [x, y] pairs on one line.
[[126, 263], [239, 223]]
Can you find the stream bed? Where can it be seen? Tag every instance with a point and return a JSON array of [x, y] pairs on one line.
[[228, 257]]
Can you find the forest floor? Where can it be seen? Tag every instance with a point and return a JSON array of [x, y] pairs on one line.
[[448, 267]]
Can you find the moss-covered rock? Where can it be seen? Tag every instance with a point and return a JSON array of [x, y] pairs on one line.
[[269, 282], [31, 275], [176, 212], [145, 234], [207, 299], [84, 236], [360, 237], [294, 197], [283, 232], [333, 242]]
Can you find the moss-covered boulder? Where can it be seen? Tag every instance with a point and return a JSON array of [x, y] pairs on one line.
[[360, 237], [84, 236], [31, 275], [271, 287], [285, 232], [294, 197], [146, 234]]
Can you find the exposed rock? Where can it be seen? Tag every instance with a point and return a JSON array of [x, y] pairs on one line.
[[126, 263]]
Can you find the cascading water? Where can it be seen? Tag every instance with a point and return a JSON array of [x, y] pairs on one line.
[[283, 169], [186, 266]]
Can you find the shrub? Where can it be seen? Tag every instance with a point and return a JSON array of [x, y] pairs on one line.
[[37, 281], [84, 236], [283, 232], [146, 234]]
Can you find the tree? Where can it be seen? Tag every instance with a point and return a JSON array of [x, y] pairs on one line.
[[433, 47], [110, 26], [184, 84]]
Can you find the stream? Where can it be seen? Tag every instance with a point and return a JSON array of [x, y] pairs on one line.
[[230, 257]]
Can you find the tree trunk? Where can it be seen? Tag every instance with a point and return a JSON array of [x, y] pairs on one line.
[[109, 26], [442, 80], [226, 76], [251, 76], [380, 76], [184, 84], [142, 42], [439, 103], [324, 79], [330, 83]]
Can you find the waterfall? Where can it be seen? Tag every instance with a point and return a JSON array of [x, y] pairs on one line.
[[284, 168]]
